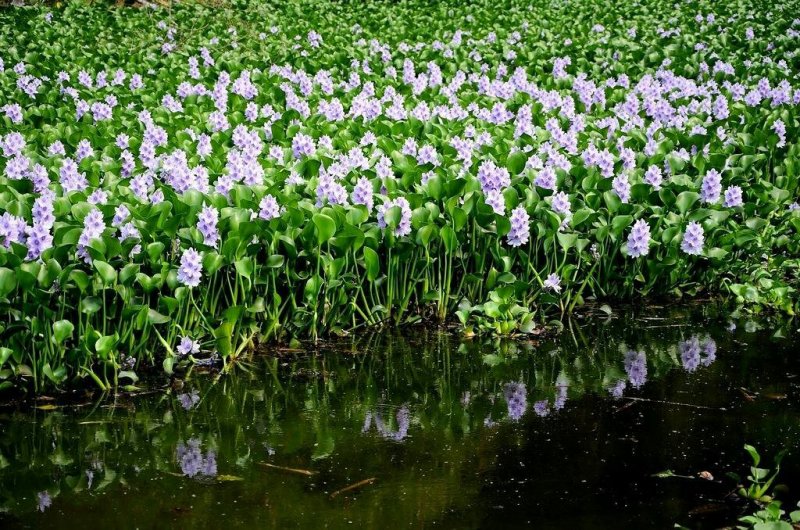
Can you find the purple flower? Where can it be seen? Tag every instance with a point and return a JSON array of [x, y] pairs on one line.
[[404, 226], [520, 227], [541, 408], [12, 229], [618, 388], [711, 188], [191, 268], [13, 144], [93, 228], [188, 346], [780, 129], [552, 283], [546, 178], [363, 194], [497, 201], [622, 188], [84, 150], [733, 197], [122, 140], [302, 145], [493, 177], [269, 208], [13, 112], [639, 239], [69, 177], [693, 239], [560, 203], [207, 225], [653, 177]]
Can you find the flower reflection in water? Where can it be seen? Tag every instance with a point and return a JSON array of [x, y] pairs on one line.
[[402, 417], [193, 462], [517, 400], [692, 349], [636, 368], [43, 501]]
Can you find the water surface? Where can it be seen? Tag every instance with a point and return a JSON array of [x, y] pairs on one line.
[[427, 429]]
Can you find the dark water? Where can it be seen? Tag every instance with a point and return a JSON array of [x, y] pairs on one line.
[[445, 432]]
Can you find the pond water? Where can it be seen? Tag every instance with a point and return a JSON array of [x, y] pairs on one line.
[[423, 428]]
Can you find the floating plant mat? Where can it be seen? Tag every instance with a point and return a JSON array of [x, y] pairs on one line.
[[424, 428]]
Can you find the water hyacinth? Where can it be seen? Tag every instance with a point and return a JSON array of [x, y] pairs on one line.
[[338, 179], [520, 227], [733, 197], [693, 239], [188, 346], [404, 226], [207, 225], [191, 268], [552, 283], [639, 239], [711, 187]]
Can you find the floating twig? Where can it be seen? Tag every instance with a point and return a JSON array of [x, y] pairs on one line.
[[305, 472], [351, 487], [675, 403]]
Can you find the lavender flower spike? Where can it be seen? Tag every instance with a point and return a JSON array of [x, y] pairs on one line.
[[639, 239], [693, 239], [191, 268]]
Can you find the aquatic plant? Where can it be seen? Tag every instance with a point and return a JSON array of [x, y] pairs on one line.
[[278, 176]]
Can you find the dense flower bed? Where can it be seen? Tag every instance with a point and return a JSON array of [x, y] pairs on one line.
[[188, 181]]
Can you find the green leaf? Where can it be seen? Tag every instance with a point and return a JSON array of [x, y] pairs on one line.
[[372, 264], [8, 281], [106, 271], [685, 200], [62, 330], [326, 227], [516, 162]]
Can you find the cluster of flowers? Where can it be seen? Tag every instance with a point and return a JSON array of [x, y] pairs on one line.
[[560, 139]]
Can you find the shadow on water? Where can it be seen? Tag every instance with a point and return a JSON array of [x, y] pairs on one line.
[[423, 428]]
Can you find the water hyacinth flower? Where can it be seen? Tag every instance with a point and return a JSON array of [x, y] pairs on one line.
[[404, 226], [93, 228], [639, 239], [269, 208], [654, 177], [188, 346], [497, 201], [541, 408], [43, 501], [780, 129], [552, 283], [546, 178], [520, 230], [207, 225], [191, 268], [560, 204], [189, 400], [622, 187], [693, 239], [363, 194], [711, 188], [733, 197]]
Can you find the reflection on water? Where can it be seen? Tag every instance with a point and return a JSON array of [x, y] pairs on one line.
[[418, 428]]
